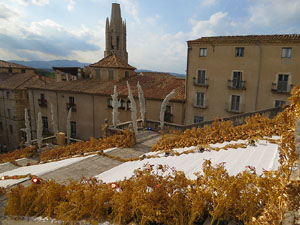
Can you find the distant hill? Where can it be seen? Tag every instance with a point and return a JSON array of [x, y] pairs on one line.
[[46, 65], [174, 74]]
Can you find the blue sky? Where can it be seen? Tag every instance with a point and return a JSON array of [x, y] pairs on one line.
[[157, 30]]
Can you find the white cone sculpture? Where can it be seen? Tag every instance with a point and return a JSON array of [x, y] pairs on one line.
[[163, 108], [133, 110], [39, 131], [142, 102], [27, 129]]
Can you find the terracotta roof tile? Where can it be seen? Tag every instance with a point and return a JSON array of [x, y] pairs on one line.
[[4, 76], [112, 61], [156, 86], [250, 38], [5, 64], [23, 80]]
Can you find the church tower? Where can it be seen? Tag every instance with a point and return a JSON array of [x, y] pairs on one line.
[[115, 34]]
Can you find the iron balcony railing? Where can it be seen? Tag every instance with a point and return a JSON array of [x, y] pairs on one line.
[[238, 85]]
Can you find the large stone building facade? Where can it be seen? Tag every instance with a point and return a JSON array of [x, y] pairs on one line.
[[227, 75], [14, 79], [91, 102]]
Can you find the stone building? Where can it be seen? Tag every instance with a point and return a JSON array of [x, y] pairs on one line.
[[91, 101], [13, 101], [227, 75]]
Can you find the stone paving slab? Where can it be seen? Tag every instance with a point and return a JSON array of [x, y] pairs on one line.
[[7, 166]]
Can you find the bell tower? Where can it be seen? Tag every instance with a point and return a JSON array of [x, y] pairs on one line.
[[115, 34]]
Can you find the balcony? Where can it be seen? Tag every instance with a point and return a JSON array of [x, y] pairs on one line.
[[282, 88], [200, 83], [71, 105], [43, 102], [234, 85], [240, 108]]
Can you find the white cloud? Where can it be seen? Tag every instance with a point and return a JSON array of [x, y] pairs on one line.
[[274, 12], [207, 3], [208, 27], [131, 7], [40, 2], [71, 5]]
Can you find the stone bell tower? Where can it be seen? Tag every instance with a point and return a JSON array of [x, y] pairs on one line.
[[115, 34]]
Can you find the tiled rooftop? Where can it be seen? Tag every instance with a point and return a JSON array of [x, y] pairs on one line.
[[23, 80], [155, 86], [247, 38], [5, 64], [112, 61]]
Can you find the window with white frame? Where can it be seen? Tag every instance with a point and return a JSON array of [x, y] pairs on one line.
[[239, 52], [203, 52], [198, 119], [282, 85], [286, 53], [122, 103], [200, 99], [201, 77], [235, 103], [237, 79], [279, 103]]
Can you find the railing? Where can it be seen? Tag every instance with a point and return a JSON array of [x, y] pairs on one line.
[[200, 84], [229, 108], [42, 102], [282, 88], [236, 119], [232, 84], [71, 105]]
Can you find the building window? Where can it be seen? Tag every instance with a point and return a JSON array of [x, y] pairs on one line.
[[122, 104], [42, 101], [11, 130], [111, 75], [201, 77], [9, 112], [126, 73], [235, 103], [71, 104], [7, 94], [286, 53], [73, 129], [98, 74], [203, 52], [239, 52], [45, 124], [279, 103], [168, 114], [282, 85], [110, 103], [23, 71], [128, 105], [9, 69], [200, 99], [237, 80], [71, 100], [1, 126], [198, 119]]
